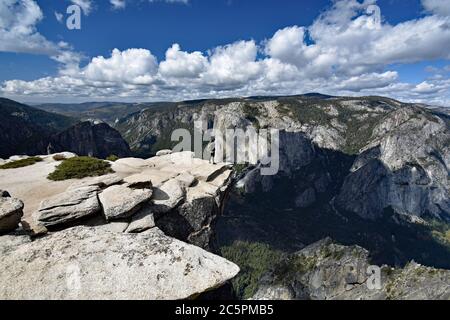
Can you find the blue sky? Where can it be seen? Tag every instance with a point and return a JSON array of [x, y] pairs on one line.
[[398, 48]]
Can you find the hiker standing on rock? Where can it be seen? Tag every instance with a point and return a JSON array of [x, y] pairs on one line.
[[50, 149], [212, 150]]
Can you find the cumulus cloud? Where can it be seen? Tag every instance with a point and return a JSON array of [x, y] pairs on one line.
[[133, 66], [233, 65], [348, 49], [440, 7], [18, 33], [368, 81], [18, 20], [179, 64]]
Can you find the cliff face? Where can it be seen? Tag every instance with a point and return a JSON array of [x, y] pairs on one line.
[[329, 271], [97, 140], [26, 130], [405, 166]]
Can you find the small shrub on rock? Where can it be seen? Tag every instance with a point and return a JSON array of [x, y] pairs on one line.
[[112, 158], [21, 163], [79, 168]]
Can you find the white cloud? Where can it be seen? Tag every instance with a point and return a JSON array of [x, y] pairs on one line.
[[118, 4], [179, 64], [18, 20], [349, 49], [133, 66], [233, 65], [368, 81], [18, 33], [440, 7], [288, 45]]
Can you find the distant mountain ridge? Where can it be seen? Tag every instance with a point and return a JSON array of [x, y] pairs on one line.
[[30, 131], [25, 130]]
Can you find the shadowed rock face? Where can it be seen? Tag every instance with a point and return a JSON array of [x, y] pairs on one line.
[[26, 130], [329, 271], [405, 166], [92, 263], [97, 140]]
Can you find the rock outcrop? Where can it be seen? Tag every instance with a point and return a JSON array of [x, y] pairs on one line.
[[113, 236], [91, 263], [329, 271], [10, 212], [119, 201], [142, 221], [405, 167], [72, 205]]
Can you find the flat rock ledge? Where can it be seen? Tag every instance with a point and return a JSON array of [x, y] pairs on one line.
[[69, 206], [140, 233], [92, 263]]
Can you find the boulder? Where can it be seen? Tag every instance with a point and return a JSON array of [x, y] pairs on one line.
[[74, 204], [59, 155], [163, 153], [110, 266], [187, 180], [10, 214], [168, 196], [142, 221], [119, 201]]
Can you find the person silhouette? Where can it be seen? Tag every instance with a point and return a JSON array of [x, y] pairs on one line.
[[212, 150], [50, 149]]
